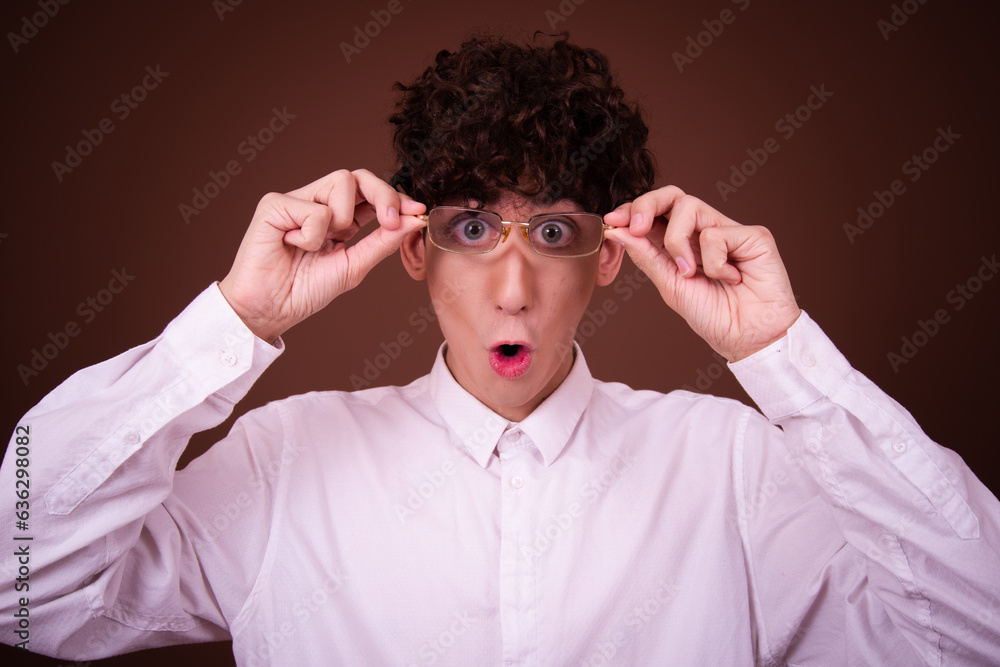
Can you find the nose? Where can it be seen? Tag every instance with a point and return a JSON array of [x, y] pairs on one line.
[[512, 274]]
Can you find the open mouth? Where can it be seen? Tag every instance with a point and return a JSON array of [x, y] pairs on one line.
[[510, 360]]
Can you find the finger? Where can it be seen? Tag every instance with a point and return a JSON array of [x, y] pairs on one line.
[[344, 191], [337, 191], [382, 242], [409, 206], [297, 222], [387, 202], [619, 217], [311, 222], [647, 207], [716, 245], [690, 216], [645, 254]]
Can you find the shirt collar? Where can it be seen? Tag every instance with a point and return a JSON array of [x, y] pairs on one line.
[[549, 427]]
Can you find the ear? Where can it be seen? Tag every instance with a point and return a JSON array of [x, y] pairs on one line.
[[609, 261], [412, 253]]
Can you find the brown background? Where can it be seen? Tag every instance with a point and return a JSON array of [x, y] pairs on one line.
[[61, 240]]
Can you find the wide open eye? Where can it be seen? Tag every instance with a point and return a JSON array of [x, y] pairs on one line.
[[554, 233], [470, 230]]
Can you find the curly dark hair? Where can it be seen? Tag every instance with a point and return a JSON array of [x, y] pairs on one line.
[[539, 121]]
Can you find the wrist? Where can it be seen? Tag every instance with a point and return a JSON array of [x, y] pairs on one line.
[[261, 327]]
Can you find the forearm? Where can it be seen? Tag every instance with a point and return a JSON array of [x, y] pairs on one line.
[[920, 531], [102, 453]]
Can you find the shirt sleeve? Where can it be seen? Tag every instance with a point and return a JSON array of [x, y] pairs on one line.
[[106, 558], [866, 542]]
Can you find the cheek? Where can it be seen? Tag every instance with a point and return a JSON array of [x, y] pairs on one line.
[[454, 293], [569, 295], [574, 288]]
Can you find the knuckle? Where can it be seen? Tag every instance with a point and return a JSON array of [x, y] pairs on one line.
[[271, 196], [338, 180], [269, 200], [689, 201], [710, 235]]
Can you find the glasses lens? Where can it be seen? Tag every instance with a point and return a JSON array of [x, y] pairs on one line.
[[566, 234], [463, 230]]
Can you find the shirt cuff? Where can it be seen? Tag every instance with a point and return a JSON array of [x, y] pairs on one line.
[[211, 339], [792, 372]]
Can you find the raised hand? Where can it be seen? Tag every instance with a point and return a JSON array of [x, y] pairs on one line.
[[725, 279], [294, 259]]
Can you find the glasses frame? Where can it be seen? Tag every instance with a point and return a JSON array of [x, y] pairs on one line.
[[505, 230]]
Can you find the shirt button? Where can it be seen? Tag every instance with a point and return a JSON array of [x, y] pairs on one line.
[[808, 360], [515, 436], [131, 438], [228, 358], [517, 482], [899, 447]]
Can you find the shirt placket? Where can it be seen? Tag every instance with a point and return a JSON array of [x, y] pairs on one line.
[[518, 610]]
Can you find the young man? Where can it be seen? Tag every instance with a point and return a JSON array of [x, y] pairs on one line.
[[507, 508]]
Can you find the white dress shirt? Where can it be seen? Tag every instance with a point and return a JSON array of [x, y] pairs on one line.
[[611, 527]]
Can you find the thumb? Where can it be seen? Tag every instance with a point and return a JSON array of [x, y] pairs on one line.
[[372, 249], [654, 262], [651, 260]]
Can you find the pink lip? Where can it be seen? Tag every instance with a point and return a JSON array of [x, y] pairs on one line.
[[513, 366]]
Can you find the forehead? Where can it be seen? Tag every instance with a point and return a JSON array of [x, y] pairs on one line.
[[513, 205]]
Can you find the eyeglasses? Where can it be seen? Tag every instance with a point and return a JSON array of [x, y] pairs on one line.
[[471, 231]]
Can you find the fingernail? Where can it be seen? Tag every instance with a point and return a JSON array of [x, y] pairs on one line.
[[393, 214], [636, 220], [682, 265]]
